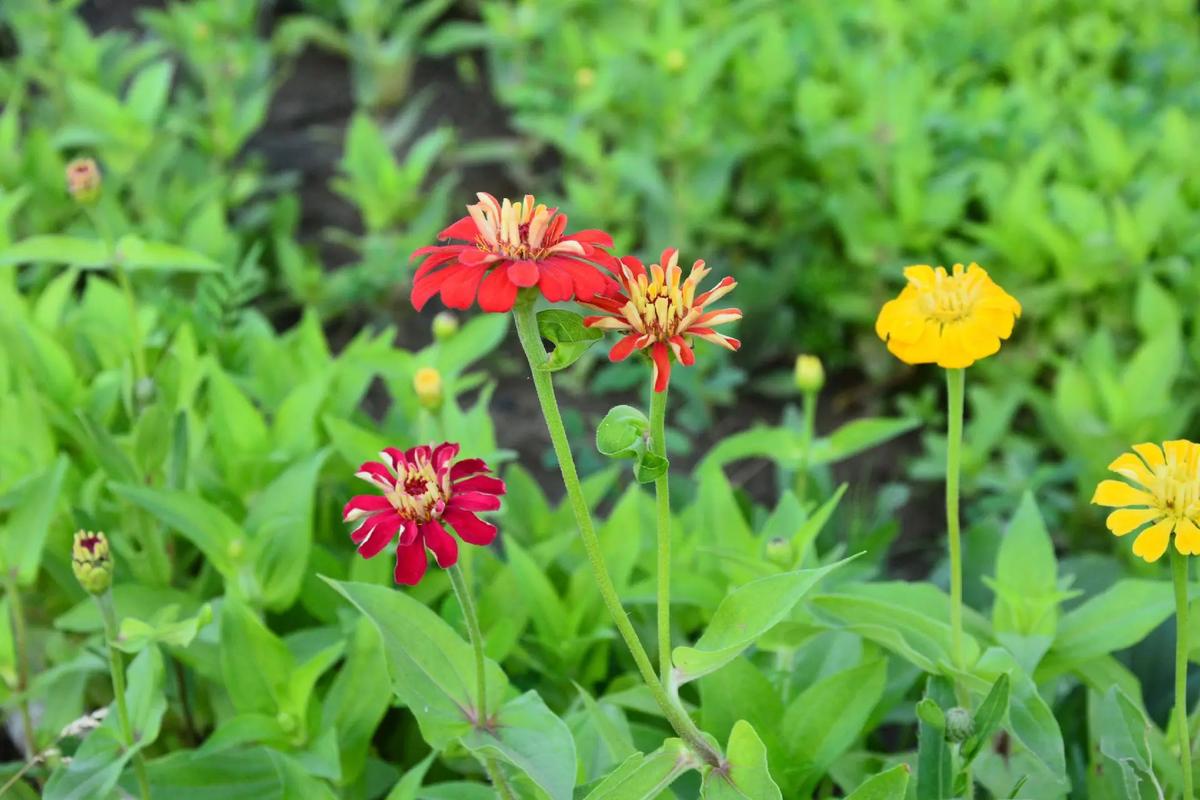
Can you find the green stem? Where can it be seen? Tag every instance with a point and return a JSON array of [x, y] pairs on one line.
[[810, 424], [955, 379], [21, 643], [482, 719], [662, 496], [535, 352], [116, 665], [1179, 569]]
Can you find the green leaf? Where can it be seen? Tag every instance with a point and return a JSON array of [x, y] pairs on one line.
[[356, 714], [94, 769], [135, 253], [532, 738], [1123, 728], [51, 249], [987, 718], [255, 663], [145, 698], [136, 635], [29, 525], [645, 777], [410, 783], [571, 339], [280, 524], [935, 767], [857, 436], [745, 775], [432, 668], [1026, 583], [203, 524], [746, 614], [1116, 619], [622, 433], [889, 785], [825, 720]]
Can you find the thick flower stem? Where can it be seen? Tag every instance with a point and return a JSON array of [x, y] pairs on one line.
[[1179, 569], [21, 644], [463, 593], [535, 352], [116, 666], [662, 495], [955, 380]]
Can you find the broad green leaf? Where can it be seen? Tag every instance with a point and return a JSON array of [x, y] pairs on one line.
[[825, 720], [1026, 584], [356, 714], [857, 436], [410, 783], [203, 524], [571, 339], [889, 785], [136, 253], [145, 696], [645, 777], [1123, 729], [164, 628], [257, 773], [432, 668], [1030, 718], [94, 769], [746, 776], [747, 613], [532, 738], [53, 249], [935, 767], [280, 524], [29, 525], [255, 663], [1116, 619]]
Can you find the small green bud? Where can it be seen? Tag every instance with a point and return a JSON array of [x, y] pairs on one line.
[[959, 725], [92, 562], [235, 549], [780, 551], [810, 375], [83, 180], [287, 723], [676, 60], [427, 383], [445, 325]]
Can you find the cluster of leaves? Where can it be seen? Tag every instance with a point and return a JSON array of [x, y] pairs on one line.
[[812, 152]]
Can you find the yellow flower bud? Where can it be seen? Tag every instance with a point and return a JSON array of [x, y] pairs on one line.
[[810, 375], [83, 180], [92, 562], [427, 383]]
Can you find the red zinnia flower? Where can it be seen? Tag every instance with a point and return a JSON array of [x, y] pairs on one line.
[[421, 490], [512, 245], [659, 313]]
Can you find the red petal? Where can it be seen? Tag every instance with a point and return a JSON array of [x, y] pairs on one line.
[[626, 345], [410, 564], [444, 548], [662, 366], [473, 257], [376, 474], [408, 533], [635, 265], [368, 503], [497, 293], [523, 273], [470, 528], [459, 291], [426, 287], [666, 256], [591, 236], [444, 254], [381, 535], [555, 283], [443, 453], [686, 356], [422, 453], [464, 228], [480, 483], [474, 501], [468, 466]]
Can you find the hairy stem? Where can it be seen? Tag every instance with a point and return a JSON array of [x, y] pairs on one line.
[[535, 352], [955, 380], [116, 665], [662, 496], [1179, 570]]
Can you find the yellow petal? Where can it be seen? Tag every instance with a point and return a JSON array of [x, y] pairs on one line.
[[920, 274], [1187, 537], [1131, 467], [1124, 520], [1151, 453], [1118, 493], [1177, 451], [1152, 542]]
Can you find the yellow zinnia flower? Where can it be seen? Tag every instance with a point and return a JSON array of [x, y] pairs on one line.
[[951, 320], [1166, 492]]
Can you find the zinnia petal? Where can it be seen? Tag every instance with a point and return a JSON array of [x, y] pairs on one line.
[[410, 564], [1152, 542], [470, 528], [1118, 493]]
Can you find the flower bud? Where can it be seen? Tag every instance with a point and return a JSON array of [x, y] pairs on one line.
[[810, 375], [445, 325], [92, 562], [780, 551], [959, 725], [676, 60], [83, 180], [585, 77], [427, 383]]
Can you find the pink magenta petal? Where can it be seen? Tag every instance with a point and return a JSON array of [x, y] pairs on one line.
[[364, 505], [381, 535], [470, 528], [410, 564], [443, 453], [375, 473], [480, 483], [468, 466], [474, 501], [442, 544]]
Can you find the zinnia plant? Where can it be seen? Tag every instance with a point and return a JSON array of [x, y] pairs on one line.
[[1162, 499], [511, 246], [423, 487]]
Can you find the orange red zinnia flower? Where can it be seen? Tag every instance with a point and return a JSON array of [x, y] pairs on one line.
[[512, 246], [423, 487], [951, 320], [658, 312], [1163, 494]]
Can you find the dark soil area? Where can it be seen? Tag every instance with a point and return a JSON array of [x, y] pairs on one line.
[[303, 135]]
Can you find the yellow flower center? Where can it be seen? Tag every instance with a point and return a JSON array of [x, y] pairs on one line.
[[418, 495], [951, 297], [1176, 486], [662, 305], [525, 230]]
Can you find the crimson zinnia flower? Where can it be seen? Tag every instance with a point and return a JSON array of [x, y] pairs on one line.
[[512, 246], [422, 488], [659, 313]]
